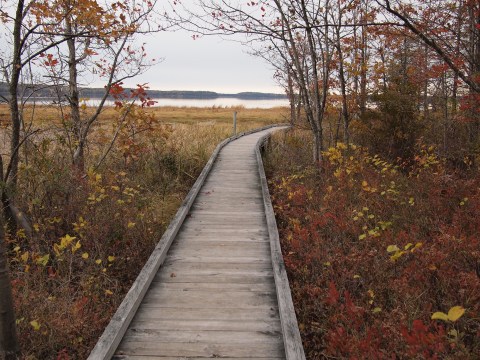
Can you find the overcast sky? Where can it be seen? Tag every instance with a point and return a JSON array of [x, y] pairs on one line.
[[207, 63]]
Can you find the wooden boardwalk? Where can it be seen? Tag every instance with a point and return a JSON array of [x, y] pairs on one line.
[[215, 296]]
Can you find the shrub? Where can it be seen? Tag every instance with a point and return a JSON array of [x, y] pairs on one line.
[[374, 250]]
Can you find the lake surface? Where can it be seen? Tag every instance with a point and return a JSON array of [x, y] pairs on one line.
[[222, 102], [208, 103], [202, 103]]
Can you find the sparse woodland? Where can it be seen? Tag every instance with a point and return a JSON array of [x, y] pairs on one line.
[[375, 187]]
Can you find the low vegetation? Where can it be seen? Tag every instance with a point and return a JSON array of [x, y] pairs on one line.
[[92, 233], [383, 256]]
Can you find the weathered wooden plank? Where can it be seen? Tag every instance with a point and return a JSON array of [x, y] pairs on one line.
[[223, 222], [210, 259], [208, 325], [220, 198], [234, 214], [185, 266], [226, 314], [291, 334], [227, 248], [223, 228], [226, 179], [227, 208], [182, 301], [251, 338], [180, 286], [153, 357], [215, 275], [199, 350], [219, 278], [190, 227], [219, 252], [220, 238], [205, 296]]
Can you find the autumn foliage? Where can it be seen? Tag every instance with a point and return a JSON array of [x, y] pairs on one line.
[[93, 232], [383, 260]]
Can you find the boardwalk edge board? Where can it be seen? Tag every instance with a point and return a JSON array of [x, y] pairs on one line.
[[115, 330], [288, 320]]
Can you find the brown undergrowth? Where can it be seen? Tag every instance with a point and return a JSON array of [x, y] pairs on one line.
[[383, 260]]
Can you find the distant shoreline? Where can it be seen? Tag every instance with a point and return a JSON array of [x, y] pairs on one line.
[[183, 94], [220, 102], [47, 93]]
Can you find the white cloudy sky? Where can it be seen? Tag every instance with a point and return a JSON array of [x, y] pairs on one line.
[[209, 63]]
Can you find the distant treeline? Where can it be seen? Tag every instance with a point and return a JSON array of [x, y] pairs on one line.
[[48, 92]]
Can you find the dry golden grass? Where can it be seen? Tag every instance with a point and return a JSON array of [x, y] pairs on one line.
[[116, 214], [46, 114]]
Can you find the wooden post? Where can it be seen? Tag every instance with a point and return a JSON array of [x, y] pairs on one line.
[[234, 123]]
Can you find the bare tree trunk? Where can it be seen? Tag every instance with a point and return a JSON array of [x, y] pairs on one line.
[[475, 51], [13, 89], [73, 97], [291, 97], [384, 74], [8, 336], [343, 87], [363, 67], [426, 110], [11, 174], [445, 112], [457, 53]]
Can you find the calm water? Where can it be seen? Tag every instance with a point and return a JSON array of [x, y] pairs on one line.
[[223, 102], [219, 102], [204, 103]]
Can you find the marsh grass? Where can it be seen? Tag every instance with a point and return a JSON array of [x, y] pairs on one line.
[[93, 232]]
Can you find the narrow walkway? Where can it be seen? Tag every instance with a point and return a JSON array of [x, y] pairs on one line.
[[215, 294]]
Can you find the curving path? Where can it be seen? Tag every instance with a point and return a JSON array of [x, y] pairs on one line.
[[215, 294]]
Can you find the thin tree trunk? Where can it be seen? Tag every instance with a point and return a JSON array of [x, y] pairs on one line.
[[363, 68], [73, 98], [8, 336], [11, 174], [13, 89], [474, 93], [291, 97], [343, 87]]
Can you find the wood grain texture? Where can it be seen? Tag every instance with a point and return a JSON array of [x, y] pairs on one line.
[[291, 334], [213, 294]]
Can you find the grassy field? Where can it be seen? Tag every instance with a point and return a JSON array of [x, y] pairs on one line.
[[93, 232]]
